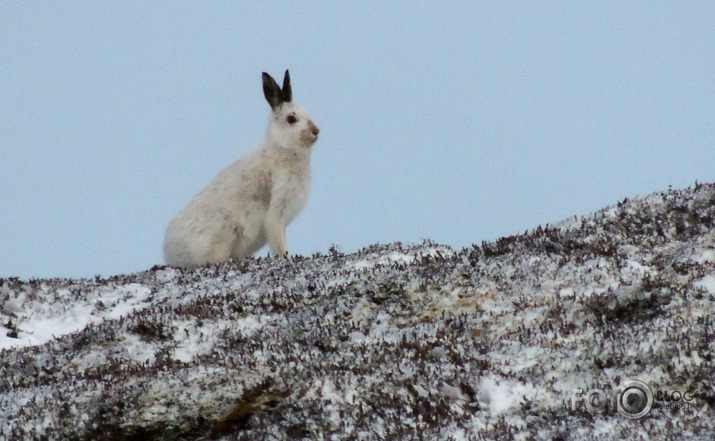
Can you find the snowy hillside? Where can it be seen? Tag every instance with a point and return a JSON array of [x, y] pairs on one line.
[[392, 342]]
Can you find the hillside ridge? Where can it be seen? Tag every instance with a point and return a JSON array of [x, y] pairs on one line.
[[393, 341]]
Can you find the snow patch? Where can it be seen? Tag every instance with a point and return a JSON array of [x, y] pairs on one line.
[[707, 283], [501, 396], [46, 317]]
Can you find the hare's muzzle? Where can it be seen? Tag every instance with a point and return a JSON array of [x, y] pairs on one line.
[[313, 128]]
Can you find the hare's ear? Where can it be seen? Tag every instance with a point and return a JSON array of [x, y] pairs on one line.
[[287, 92], [273, 93]]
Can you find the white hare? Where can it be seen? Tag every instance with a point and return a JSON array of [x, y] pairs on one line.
[[253, 200]]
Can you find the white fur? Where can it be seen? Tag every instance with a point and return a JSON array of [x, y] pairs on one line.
[[252, 201]]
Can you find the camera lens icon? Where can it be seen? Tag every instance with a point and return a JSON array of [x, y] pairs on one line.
[[634, 399]]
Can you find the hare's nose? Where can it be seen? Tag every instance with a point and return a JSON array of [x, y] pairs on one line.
[[313, 128]]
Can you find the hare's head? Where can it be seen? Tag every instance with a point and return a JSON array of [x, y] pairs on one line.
[[290, 125]]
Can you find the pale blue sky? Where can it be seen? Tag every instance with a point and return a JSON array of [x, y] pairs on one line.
[[454, 121]]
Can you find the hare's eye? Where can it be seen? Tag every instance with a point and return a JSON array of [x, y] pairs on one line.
[[291, 119]]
